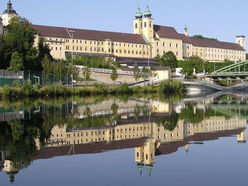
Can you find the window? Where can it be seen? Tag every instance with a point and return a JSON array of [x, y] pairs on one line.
[[145, 24], [136, 25]]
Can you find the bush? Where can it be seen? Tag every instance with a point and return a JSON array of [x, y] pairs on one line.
[[28, 89], [171, 86], [16, 84]]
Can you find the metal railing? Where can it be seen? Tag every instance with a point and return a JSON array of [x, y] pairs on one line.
[[10, 74]]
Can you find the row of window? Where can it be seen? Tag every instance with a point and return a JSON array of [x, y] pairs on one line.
[[176, 53], [141, 25], [169, 45], [109, 50], [146, 156], [130, 129], [223, 51], [109, 43]]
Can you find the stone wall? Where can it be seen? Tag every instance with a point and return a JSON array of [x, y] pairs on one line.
[[106, 79]]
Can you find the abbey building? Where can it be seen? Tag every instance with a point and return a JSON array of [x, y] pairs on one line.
[[147, 41]]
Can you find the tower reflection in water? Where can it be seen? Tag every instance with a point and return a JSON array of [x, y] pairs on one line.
[[153, 128]]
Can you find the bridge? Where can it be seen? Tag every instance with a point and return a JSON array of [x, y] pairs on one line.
[[234, 72]]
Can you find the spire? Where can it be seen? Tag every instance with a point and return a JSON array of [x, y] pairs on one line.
[[138, 14], [9, 5], [148, 13], [186, 30]]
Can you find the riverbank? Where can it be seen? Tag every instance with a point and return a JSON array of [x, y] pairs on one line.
[[169, 87]]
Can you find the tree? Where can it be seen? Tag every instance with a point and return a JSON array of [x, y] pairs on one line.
[[202, 37], [59, 69], [86, 73], [16, 63], [193, 62], [73, 71], [20, 38], [43, 49], [47, 66], [114, 75], [136, 72], [145, 73], [168, 59]]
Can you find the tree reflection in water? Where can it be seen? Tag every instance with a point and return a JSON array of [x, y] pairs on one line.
[[112, 119]]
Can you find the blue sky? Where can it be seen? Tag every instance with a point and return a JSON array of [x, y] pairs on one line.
[[222, 19]]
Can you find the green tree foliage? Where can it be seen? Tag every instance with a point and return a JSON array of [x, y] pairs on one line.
[[192, 115], [212, 66], [193, 62], [43, 50], [47, 66], [94, 62], [114, 75], [145, 73], [16, 63], [73, 71], [20, 38], [136, 72], [202, 37], [58, 69], [86, 73], [169, 122], [168, 59], [171, 87]]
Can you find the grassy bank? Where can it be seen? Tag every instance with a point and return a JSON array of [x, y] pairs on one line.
[[165, 87]]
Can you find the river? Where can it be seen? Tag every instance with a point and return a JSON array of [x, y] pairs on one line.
[[124, 141]]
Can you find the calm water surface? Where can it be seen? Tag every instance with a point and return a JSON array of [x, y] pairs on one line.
[[120, 141]]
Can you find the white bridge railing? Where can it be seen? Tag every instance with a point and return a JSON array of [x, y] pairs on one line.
[[10, 74]]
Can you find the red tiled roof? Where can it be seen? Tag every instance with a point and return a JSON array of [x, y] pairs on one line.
[[215, 44], [170, 32], [90, 148], [185, 38], [88, 34], [167, 32], [168, 148]]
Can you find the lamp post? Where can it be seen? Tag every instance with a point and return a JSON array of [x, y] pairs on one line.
[[71, 35]]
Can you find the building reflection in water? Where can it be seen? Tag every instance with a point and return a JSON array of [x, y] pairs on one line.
[[153, 128]]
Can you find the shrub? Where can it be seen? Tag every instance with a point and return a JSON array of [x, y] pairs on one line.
[[28, 89]]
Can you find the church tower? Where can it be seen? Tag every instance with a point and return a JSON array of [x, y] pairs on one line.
[[137, 24], [8, 14], [186, 31], [241, 41], [241, 138], [148, 30]]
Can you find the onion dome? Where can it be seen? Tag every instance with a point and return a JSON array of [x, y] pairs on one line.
[[138, 14], [9, 9], [148, 13]]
